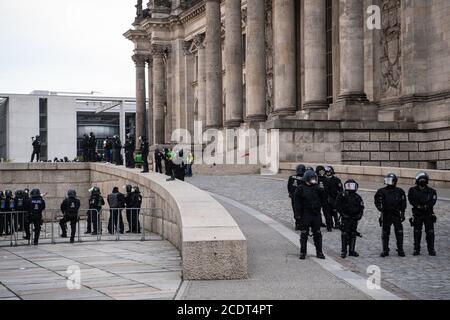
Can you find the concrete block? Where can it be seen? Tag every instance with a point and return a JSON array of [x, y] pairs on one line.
[[351, 146], [399, 136], [356, 136], [303, 137], [389, 146], [370, 146], [417, 156], [356, 156], [379, 156], [379, 136], [409, 146], [372, 171], [399, 156]]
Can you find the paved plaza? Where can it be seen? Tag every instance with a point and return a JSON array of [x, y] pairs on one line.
[[421, 277], [128, 270]]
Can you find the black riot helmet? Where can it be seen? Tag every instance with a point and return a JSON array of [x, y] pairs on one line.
[[95, 191], [391, 180], [311, 177], [136, 190], [320, 171], [128, 188], [8, 193], [72, 193], [301, 169], [351, 186], [19, 193], [329, 171], [422, 179], [35, 193]]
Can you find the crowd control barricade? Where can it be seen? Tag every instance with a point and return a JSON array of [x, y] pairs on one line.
[[120, 224]]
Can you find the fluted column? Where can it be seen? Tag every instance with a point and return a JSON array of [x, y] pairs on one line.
[[315, 59], [284, 57], [351, 36], [214, 113], [159, 94], [233, 64], [150, 102], [256, 62], [140, 61], [199, 40]]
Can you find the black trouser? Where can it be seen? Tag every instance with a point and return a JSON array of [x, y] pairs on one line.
[[129, 159], [73, 219], [145, 159], [93, 220], [388, 221], [116, 157], [349, 232], [158, 166], [92, 155], [36, 153], [5, 223], [2, 224], [419, 222], [115, 221], [107, 155], [168, 167], [36, 220], [330, 213], [297, 219], [134, 223], [20, 216], [85, 155], [310, 222]]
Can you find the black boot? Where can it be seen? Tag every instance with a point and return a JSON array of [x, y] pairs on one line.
[[385, 240], [344, 245], [352, 252], [417, 240], [399, 236], [430, 243], [63, 229], [303, 244], [318, 244]]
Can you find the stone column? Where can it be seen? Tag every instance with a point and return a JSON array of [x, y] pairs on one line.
[[285, 98], [199, 40], [352, 50], [315, 60], [140, 61], [256, 62], [159, 94], [214, 112], [352, 103], [233, 64], [150, 133]]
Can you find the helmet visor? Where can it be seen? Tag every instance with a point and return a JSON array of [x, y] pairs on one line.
[[389, 181], [351, 186]]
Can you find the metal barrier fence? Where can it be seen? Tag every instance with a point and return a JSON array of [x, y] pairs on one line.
[[91, 225]]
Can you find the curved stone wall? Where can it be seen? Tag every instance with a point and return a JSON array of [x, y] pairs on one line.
[[210, 241]]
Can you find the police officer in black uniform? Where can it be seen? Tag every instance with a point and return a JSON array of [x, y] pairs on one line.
[[92, 143], [158, 160], [36, 149], [333, 187], [350, 206], [391, 202], [69, 208], [308, 201], [8, 209], [144, 152], [423, 199], [35, 206], [117, 147], [128, 205], [129, 147], [20, 201], [293, 183], [94, 221], [116, 202], [135, 203]]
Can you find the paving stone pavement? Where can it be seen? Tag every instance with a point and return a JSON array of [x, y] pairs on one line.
[[421, 277], [128, 270]]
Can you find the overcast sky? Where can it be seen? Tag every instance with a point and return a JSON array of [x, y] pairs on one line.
[[66, 45]]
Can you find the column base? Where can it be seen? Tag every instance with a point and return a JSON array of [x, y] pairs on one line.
[[256, 118], [233, 123], [284, 112], [314, 110], [353, 107]]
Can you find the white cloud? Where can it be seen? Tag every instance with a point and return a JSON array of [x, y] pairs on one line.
[[66, 45]]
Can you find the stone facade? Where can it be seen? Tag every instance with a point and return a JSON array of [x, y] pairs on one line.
[[337, 90]]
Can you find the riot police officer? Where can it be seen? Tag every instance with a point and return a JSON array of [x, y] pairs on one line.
[[129, 147], [423, 199], [135, 204], [85, 148], [69, 208], [350, 206], [128, 205], [96, 202], [158, 160], [333, 187], [20, 201], [35, 206], [293, 183], [117, 147], [391, 202], [92, 144], [2, 214], [144, 152], [308, 203], [36, 148], [116, 202], [8, 208]]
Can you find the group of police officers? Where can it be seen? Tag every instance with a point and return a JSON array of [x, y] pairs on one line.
[[315, 191], [23, 209]]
